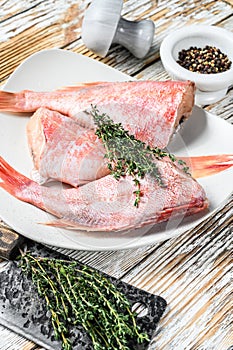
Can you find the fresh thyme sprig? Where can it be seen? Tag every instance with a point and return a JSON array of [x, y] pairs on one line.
[[82, 296], [127, 155]]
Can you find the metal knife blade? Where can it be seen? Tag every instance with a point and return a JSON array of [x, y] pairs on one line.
[[24, 312]]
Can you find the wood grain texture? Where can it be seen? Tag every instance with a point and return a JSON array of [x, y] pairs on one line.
[[9, 243], [39, 28], [194, 271], [46, 24], [12, 341]]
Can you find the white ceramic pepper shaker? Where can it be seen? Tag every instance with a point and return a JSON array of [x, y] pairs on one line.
[[103, 26]]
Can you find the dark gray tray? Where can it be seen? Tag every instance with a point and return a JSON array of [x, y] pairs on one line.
[[24, 312]]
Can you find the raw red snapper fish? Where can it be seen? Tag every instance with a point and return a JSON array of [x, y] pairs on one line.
[[149, 110], [108, 204], [62, 150]]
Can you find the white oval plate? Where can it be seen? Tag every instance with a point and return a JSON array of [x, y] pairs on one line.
[[202, 134]]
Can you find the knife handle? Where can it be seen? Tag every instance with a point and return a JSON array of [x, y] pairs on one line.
[[10, 242]]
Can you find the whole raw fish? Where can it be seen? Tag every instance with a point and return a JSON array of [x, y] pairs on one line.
[[149, 110], [107, 204]]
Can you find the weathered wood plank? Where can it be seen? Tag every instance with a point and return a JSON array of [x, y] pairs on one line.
[[9, 9], [115, 263], [43, 29], [230, 2], [224, 108], [41, 14], [49, 24], [194, 274], [198, 263], [12, 341]]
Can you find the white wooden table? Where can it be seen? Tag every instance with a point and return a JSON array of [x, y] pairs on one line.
[[192, 272]]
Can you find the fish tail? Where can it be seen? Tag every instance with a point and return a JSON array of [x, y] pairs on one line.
[[13, 101], [18, 185], [202, 166], [8, 101]]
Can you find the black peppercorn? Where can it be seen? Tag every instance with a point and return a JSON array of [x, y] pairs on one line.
[[207, 60]]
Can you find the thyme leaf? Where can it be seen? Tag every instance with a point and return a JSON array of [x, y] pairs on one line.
[[127, 155], [82, 296]]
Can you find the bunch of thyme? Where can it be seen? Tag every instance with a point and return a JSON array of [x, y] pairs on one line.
[[127, 155], [82, 296]]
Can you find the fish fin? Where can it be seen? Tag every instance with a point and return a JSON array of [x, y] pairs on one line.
[[60, 223], [190, 208], [56, 223], [202, 166], [79, 86], [8, 100], [20, 186], [12, 101], [12, 181]]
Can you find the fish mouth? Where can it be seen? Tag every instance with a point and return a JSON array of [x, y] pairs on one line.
[[182, 120], [179, 125], [185, 108], [184, 210]]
